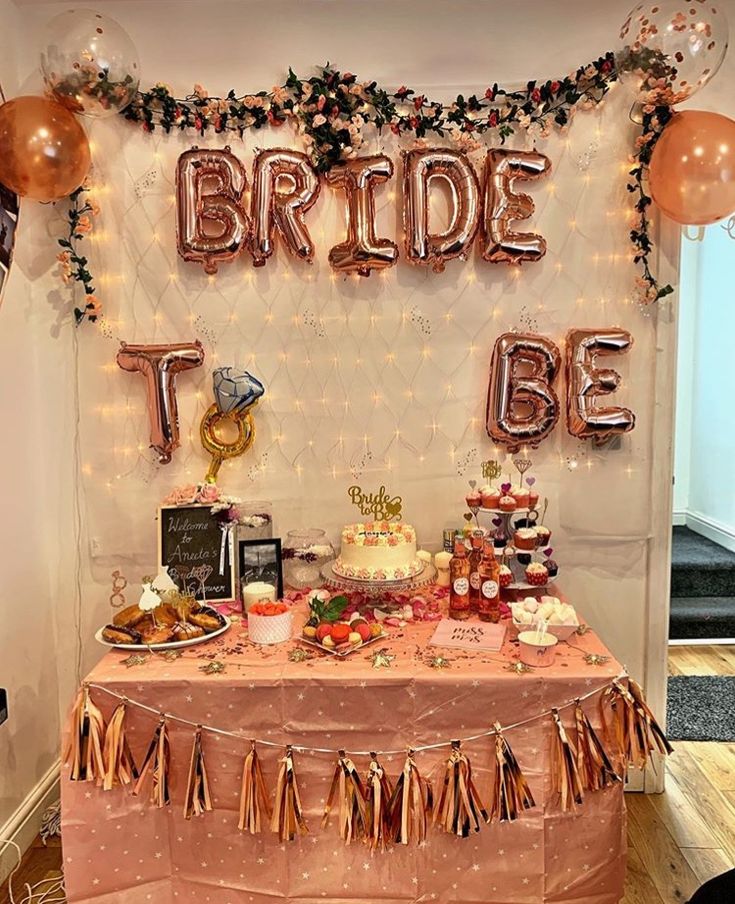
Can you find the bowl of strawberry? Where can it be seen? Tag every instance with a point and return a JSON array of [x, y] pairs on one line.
[[270, 623]]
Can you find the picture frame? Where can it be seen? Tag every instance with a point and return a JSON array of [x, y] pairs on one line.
[[190, 547], [261, 560]]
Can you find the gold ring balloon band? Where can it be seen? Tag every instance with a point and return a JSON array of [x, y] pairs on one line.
[[217, 448]]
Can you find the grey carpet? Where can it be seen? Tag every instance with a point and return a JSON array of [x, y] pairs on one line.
[[702, 588], [701, 708]]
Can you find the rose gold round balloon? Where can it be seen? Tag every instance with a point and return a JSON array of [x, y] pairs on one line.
[[693, 168], [44, 152]]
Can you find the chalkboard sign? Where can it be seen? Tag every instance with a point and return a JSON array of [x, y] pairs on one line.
[[190, 546]]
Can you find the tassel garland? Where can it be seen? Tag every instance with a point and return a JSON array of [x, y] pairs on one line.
[[511, 792], [634, 727], [378, 793], [198, 800], [346, 785], [458, 808], [288, 816], [120, 768], [254, 797], [564, 774], [593, 764], [157, 762], [410, 804], [84, 747]]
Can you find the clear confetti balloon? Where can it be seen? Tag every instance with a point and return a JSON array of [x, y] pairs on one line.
[[691, 37], [89, 63]]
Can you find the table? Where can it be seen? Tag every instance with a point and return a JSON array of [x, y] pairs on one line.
[[118, 849]]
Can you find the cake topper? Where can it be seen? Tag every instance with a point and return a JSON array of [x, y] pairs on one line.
[[379, 506], [491, 470]]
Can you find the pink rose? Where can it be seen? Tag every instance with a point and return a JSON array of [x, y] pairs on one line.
[[209, 494], [185, 495]]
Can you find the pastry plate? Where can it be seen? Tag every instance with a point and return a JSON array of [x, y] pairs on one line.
[[341, 654], [162, 647]]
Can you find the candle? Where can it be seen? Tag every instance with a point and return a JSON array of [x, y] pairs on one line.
[[424, 556], [442, 560], [257, 592]]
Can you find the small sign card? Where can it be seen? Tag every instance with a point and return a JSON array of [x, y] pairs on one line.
[[469, 635]]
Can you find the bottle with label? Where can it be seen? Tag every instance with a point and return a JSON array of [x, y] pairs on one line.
[[459, 591], [475, 556], [489, 573]]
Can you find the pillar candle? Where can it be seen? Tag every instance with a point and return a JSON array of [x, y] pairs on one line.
[[442, 560], [257, 592]]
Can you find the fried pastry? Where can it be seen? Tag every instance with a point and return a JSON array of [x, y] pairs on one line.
[[156, 634], [120, 635], [207, 619], [166, 615], [128, 617], [185, 631]]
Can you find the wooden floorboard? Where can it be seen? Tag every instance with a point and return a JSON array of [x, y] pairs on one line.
[[676, 840]]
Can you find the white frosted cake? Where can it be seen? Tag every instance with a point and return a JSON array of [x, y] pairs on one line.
[[378, 551]]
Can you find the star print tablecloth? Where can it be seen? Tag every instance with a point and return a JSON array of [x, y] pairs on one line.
[[118, 849]]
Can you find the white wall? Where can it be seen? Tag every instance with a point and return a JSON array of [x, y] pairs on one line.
[[297, 461]]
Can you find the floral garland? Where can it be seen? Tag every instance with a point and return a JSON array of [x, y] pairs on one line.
[[73, 265], [332, 110]]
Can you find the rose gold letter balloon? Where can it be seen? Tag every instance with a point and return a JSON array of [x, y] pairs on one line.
[[693, 168], [44, 152], [503, 205], [209, 186], [274, 208], [361, 252], [522, 407], [420, 167], [585, 382], [159, 364]]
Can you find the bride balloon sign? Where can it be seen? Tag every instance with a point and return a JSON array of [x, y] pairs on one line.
[[213, 225]]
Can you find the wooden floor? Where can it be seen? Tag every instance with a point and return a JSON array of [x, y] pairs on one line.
[[676, 840]]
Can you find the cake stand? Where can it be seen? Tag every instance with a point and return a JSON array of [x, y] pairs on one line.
[[377, 590]]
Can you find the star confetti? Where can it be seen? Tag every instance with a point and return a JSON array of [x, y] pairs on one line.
[[596, 659], [518, 668], [171, 655], [135, 659], [582, 630], [212, 668], [439, 662], [299, 654], [382, 659]]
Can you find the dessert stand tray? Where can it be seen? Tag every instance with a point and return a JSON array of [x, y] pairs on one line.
[[341, 654], [373, 588], [162, 647]]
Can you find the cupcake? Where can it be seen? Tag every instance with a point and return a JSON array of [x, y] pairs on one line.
[[537, 574], [532, 498], [520, 495], [525, 538], [506, 576], [507, 504], [543, 534], [490, 497], [474, 499], [551, 567]]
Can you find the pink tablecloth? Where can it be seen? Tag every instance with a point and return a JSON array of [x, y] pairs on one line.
[[118, 848]]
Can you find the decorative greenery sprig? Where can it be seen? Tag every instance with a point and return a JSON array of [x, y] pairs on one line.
[[74, 266]]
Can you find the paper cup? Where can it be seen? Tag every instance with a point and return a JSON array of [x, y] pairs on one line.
[[537, 650]]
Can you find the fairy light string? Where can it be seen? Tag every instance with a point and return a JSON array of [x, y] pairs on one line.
[[248, 738]]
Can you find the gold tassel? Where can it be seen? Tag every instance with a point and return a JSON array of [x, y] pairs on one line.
[[120, 768], [410, 803], [636, 731], [511, 792], [83, 750], [198, 800], [565, 778], [346, 783], [288, 817], [458, 808], [593, 764], [254, 797], [157, 761], [378, 793]]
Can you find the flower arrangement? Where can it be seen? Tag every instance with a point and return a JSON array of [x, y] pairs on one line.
[[73, 265]]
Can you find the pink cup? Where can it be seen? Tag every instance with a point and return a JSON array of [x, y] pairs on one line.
[[537, 650]]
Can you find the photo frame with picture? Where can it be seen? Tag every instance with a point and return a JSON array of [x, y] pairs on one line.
[[261, 560]]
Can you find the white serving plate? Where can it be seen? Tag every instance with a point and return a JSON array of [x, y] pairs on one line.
[[162, 647], [342, 653]]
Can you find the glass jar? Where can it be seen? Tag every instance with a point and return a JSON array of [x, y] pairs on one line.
[[305, 553]]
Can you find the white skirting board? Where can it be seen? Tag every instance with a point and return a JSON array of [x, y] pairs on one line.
[[714, 530], [23, 826]]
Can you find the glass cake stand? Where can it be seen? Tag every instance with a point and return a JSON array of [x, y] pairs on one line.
[[374, 589]]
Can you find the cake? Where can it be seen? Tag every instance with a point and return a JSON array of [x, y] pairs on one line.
[[378, 551]]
